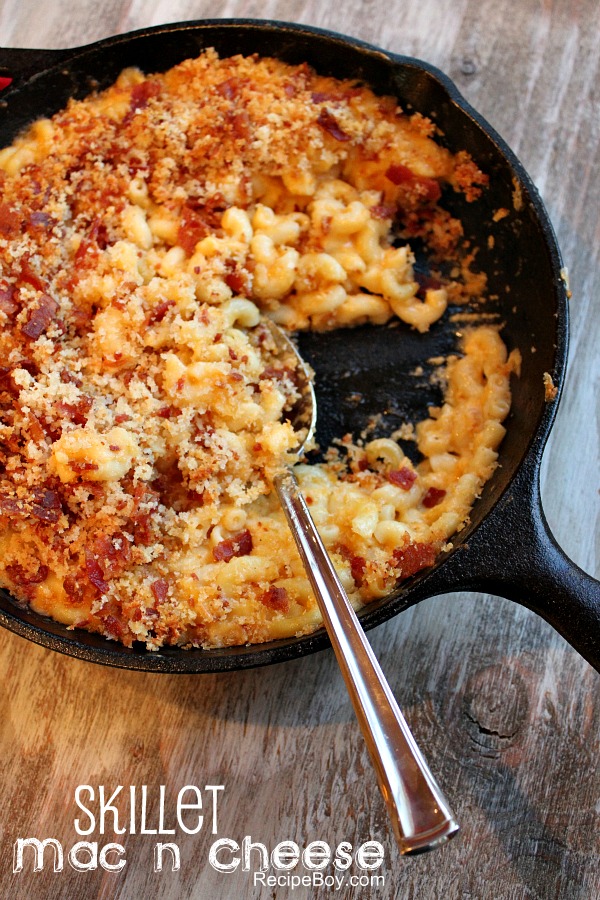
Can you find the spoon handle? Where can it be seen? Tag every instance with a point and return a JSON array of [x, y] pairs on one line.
[[421, 818]]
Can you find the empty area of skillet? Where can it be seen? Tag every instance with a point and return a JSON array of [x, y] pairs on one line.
[[375, 378]]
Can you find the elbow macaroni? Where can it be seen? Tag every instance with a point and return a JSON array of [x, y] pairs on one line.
[[143, 235]]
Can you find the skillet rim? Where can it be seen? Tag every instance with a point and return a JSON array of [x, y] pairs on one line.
[[97, 649]]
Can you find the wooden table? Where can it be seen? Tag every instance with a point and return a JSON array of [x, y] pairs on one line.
[[505, 710]]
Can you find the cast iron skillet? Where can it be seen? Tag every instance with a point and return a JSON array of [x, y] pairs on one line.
[[507, 549]]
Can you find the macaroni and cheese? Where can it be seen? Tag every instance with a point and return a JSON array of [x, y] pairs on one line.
[[145, 233]]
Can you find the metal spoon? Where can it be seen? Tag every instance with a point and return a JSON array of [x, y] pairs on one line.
[[420, 815]]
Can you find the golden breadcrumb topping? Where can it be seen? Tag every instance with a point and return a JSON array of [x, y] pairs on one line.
[[145, 233]]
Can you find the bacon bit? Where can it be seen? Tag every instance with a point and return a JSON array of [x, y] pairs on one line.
[[240, 124], [40, 317], [167, 412], [160, 588], [29, 365], [36, 430], [49, 516], [11, 507], [227, 88], [81, 319], [411, 558], [46, 498], [95, 489], [6, 382], [276, 598], [403, 478], [399, 174], [159, 312], [433, 497], [30, 276], [114, 627], [10, 221], [46, 506], [73, 589], [237, 282], [69, 377], [193, 228], [142, 529], [329, 123], [21, 577], [426, 283], [7, 300], [112, 553], [358, 564], [239, 545], [94, 572], [99, 233], [326, 96], [36, 187], [382, 211], [231, 87], [427, 188], [140, 95], [75, 412], [96, 240], [276, 374], [213, 208], [41, 220]]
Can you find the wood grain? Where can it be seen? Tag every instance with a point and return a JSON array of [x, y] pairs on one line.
[[507, 714]]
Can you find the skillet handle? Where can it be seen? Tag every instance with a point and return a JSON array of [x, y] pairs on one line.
[[18, 65], [514, 554]]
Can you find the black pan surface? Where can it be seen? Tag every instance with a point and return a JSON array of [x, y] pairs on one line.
[[507, 548]]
